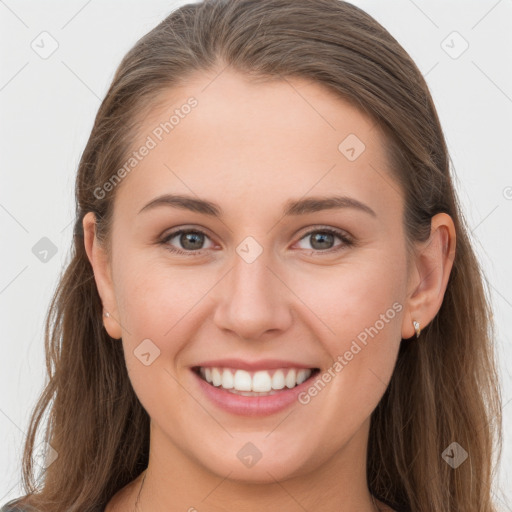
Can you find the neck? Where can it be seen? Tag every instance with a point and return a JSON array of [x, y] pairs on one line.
[[175, 482]]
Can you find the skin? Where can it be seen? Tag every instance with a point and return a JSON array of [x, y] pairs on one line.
[[250, 147]]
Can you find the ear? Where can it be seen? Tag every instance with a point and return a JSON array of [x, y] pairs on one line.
[[429, 274], [102, 275]]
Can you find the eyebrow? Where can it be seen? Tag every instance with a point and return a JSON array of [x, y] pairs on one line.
[[291, 208]]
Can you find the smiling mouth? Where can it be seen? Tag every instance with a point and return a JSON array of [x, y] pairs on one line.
[[256, 383]]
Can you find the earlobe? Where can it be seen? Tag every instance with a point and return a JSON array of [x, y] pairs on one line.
[[112, 326], [102, 275], [432, 267]]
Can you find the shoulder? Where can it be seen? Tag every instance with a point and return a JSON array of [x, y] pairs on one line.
[[383, 506], [380, 505]]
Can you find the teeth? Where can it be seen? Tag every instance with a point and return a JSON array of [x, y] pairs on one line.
[[302, 375], [216, 377], [242, 381], [278, 381], [291, 379], [262, 381], [227, 379]]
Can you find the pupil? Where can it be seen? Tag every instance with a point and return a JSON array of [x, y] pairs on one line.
[[319, 240], [322, 237], [189, 237]]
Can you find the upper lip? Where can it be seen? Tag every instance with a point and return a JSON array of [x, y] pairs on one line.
[[262, 364]]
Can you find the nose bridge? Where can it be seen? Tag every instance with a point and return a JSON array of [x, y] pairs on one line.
[[251, 276], [251, 301]]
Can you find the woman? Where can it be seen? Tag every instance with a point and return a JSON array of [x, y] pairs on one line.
[[272, 302]]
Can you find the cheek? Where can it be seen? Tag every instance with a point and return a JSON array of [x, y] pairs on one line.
[[356, 313], [153, 297], [156, 306], [353, 296]]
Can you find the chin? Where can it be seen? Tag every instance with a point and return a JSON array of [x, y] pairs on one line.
[[250, 465]]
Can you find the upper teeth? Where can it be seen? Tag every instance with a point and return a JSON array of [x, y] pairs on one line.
[[260, 381]]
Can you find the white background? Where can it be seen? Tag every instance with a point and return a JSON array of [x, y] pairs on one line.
[[47, 107]]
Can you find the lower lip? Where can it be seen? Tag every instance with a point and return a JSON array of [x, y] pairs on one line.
[[251, 405]]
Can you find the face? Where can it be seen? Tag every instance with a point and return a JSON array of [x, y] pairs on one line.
[[322, 286]]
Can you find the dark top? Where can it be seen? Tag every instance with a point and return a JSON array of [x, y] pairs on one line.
[[14, 508], [395, 507]]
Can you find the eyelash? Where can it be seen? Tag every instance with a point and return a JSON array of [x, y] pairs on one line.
[[347, 241]]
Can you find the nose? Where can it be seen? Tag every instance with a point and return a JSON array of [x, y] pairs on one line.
[[253, 300]]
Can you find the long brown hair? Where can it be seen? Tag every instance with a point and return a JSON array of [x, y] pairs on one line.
[[444, 387]]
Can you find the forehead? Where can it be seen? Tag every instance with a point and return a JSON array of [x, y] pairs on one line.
[[257, 144]]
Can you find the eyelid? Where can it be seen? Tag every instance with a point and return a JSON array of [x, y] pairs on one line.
[[164, 240], [321, 227], [346, 238]]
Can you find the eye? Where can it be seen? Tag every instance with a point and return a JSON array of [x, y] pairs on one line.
[[190, 239], [322, 239]]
